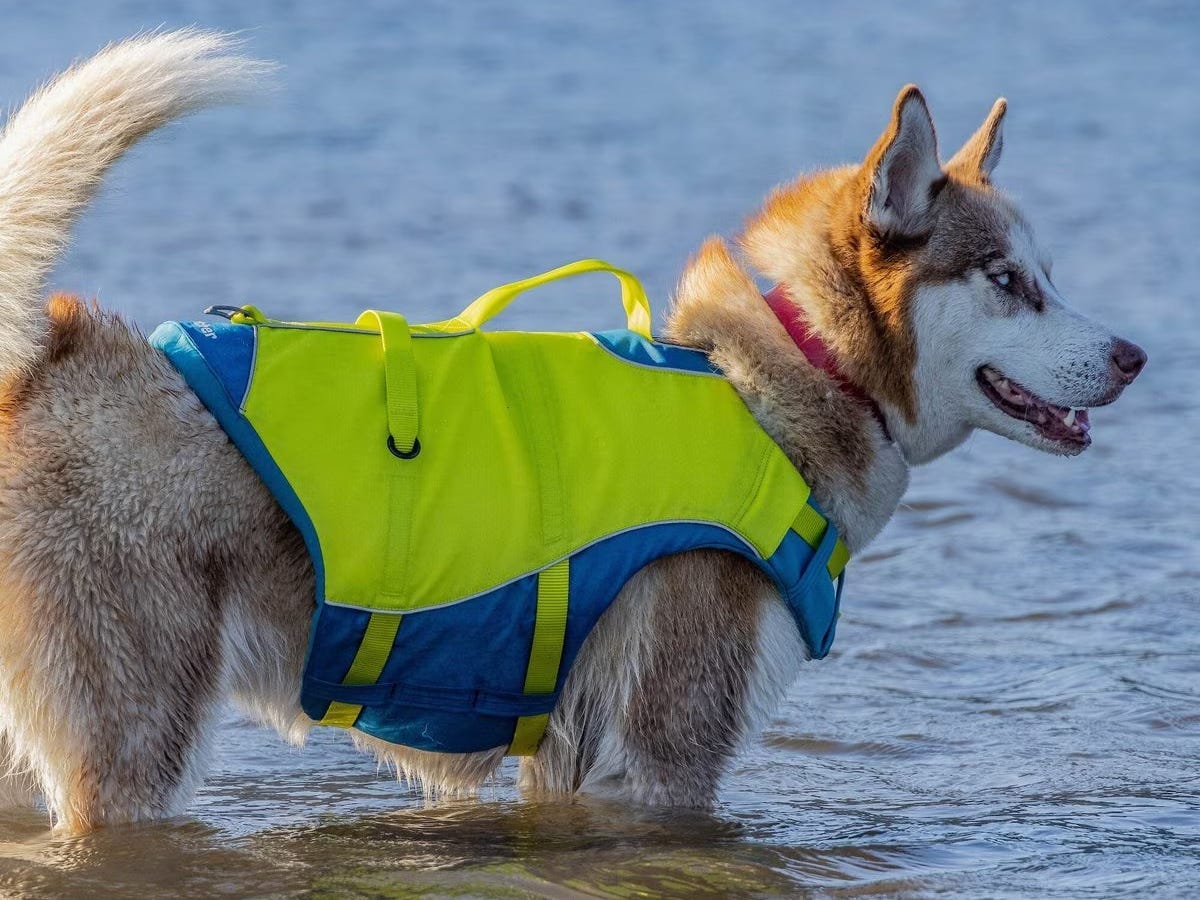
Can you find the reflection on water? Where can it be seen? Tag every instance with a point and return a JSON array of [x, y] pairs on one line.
[[1013, 705], [495, 850]]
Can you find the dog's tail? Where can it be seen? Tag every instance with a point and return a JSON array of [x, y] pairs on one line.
[[56, 148]]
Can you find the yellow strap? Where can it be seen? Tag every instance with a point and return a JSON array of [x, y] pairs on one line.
[[633, 296], [545, 654], [528, 735], [811, 525], [249, 315], [400, 376], [838, 559], [373, 652]]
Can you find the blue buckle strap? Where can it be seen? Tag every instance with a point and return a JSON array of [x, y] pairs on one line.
[[453, 700]]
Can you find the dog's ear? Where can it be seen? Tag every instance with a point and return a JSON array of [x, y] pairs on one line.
[[979, 155], [903, 172]]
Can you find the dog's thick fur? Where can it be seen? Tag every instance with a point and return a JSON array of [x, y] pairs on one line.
[[138, 591]]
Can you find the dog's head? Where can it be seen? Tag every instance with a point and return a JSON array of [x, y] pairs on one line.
[[931, 287]]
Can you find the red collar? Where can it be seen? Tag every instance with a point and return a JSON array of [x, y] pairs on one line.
[[817, 351]]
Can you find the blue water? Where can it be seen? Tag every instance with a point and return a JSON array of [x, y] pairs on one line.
[[1013, 706]]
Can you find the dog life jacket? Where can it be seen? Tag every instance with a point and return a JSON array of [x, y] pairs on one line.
[[474, 501]]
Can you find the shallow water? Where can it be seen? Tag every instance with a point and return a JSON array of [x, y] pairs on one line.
[[1013, 705]]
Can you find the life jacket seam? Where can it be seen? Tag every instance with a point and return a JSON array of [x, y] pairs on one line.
[[412, 612]]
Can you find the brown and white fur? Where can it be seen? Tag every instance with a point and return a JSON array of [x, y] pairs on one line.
[[138, 592]]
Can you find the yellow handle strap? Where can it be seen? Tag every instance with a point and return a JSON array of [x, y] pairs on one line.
[[400, 380], [633, 296], [246, 315], [367, 666], [545, 654]]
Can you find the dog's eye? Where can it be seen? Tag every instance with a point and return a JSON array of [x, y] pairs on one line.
[[1002, 279]]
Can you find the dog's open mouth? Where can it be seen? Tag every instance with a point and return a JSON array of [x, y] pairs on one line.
[[1060, 424]]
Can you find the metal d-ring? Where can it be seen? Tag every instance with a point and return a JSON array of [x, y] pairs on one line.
[[396, 452]]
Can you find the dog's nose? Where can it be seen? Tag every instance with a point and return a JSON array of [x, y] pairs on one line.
[[1127, 360]]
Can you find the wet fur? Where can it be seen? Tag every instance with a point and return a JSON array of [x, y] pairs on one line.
[[138, 591]]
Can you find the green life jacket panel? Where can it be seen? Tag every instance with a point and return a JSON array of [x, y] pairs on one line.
[[473, 501]]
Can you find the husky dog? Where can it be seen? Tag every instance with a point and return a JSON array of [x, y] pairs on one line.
[[138, 592]]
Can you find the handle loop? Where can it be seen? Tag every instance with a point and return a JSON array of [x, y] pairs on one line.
[[633, 296], [400, 380], [239, 315]]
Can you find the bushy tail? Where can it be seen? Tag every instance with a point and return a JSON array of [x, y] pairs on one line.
[[56, 148]]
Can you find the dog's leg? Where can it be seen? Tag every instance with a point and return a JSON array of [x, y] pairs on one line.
[[669, 684], [108, 704], [18, 787]]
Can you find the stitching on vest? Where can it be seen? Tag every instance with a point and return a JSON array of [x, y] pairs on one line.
[[756, 485], [416, 612], [556, 506], [348, 329], [250, 378]]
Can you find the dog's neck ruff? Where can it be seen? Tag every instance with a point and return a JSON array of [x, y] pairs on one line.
[[817, 352]]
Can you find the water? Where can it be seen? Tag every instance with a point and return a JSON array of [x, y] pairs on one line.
[[1012, 707]]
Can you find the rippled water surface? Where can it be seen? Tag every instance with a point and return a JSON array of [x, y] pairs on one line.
[[1013, 705]]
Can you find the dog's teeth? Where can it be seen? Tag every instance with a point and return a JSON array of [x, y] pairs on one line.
[[1069, 418]]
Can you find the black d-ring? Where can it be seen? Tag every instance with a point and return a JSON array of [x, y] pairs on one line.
[[415, 451], [225, 312]]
